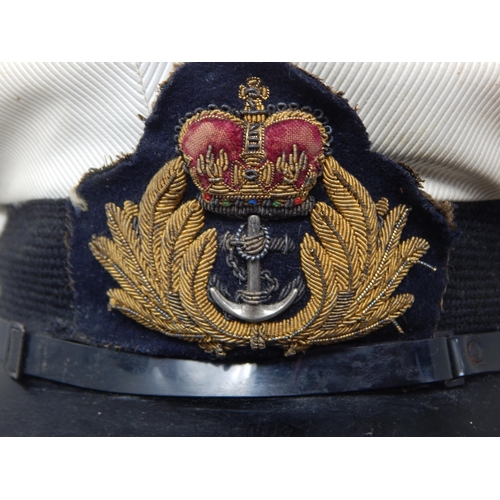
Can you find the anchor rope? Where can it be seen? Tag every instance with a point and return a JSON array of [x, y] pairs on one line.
[[254, 245]]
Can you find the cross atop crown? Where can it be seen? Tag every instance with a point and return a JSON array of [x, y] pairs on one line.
[[254, 94]]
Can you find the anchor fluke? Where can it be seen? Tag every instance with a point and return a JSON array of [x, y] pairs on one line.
[[252, 313]]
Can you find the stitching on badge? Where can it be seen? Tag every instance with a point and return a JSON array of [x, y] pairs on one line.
[[245, 168], [256, 160], [163, 266]]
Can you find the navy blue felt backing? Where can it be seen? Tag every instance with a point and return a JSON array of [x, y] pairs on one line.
[[197, 85]]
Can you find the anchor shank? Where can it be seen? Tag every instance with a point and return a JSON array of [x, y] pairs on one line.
[[253, 313], [253, 266]]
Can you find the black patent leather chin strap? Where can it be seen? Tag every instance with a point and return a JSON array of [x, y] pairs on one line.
[[445, 358]]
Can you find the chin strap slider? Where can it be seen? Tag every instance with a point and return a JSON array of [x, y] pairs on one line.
[[457, 363], [12, 347]]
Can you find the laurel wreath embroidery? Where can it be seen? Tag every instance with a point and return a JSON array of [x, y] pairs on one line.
[[162, 264]]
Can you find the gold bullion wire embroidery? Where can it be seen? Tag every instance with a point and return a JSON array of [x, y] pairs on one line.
[[352, 267]]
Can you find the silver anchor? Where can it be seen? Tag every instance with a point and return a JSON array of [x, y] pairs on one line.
[[250, 312]]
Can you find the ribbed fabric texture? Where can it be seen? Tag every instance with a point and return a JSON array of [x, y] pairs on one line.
[[34, 280], [58, 120], [472, 299], [440, 118]]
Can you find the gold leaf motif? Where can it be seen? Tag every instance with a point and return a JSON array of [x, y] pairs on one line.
[[161, 198], [163, 264], [180, 231]]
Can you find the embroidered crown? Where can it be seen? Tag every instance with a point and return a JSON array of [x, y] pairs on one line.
[[254, 160]]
